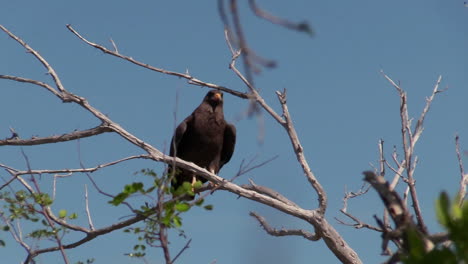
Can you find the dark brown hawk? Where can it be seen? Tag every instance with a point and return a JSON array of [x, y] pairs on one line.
[[204, 138]]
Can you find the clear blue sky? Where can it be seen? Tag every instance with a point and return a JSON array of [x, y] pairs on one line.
[[340, 104]]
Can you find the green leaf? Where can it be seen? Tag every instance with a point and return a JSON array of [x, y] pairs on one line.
[[442, 209], [133, 188], [187, 186], [416, 245], [182, 207], [73, 216], [62, 213], [169, 205], [208, 207], [457, 212], [118, 199], [150, 189], [177, 221], [199, 202], [197, 184], [43, 199], [20, 195], [129, 189]]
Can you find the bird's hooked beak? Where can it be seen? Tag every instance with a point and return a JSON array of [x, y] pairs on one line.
[[217, 97]]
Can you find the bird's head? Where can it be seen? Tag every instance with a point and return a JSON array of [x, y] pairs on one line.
[[214, 98]]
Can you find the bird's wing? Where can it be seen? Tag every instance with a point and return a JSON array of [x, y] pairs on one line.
[[179, 134], [228, 144]]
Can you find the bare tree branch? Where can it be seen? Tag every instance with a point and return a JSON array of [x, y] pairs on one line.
[[55, 139], [288, 125], [15, 173], [267, 191], [409, 139], [397, 210], [358, 224], [254, 95], [301, 27], [49, 68], [25, 80], [283, 232]]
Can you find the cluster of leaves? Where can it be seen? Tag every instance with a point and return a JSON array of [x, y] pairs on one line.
[[26, 206], [166, 214], [454, 219]]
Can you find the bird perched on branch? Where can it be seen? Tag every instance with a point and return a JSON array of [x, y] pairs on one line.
[[204, 138]]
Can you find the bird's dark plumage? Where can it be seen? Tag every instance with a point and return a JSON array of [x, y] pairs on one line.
[[204, 138]]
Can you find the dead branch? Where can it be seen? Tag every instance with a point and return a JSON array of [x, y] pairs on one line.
[[301, 27], [397, 210], [15, 173], [358, 224], [287, 125], [409, 140], [49, 68], [55, 139], [25, 80], [267, 191], [254, 95], [299, 151], [283, 232]]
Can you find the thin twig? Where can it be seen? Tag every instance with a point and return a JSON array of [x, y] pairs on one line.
[[26, 80], [464, 176], [46, 212], [187, 245], [77, 134], [358, 224], [301, 27], [268, 191], [286, 122], [36, 54], [409, 139], [254, 95], [398, 211], [284, 232], [15, 173], [88, 213], [191, 79], [299, 151]]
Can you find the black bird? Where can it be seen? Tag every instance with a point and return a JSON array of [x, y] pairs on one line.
[[204, 138]]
